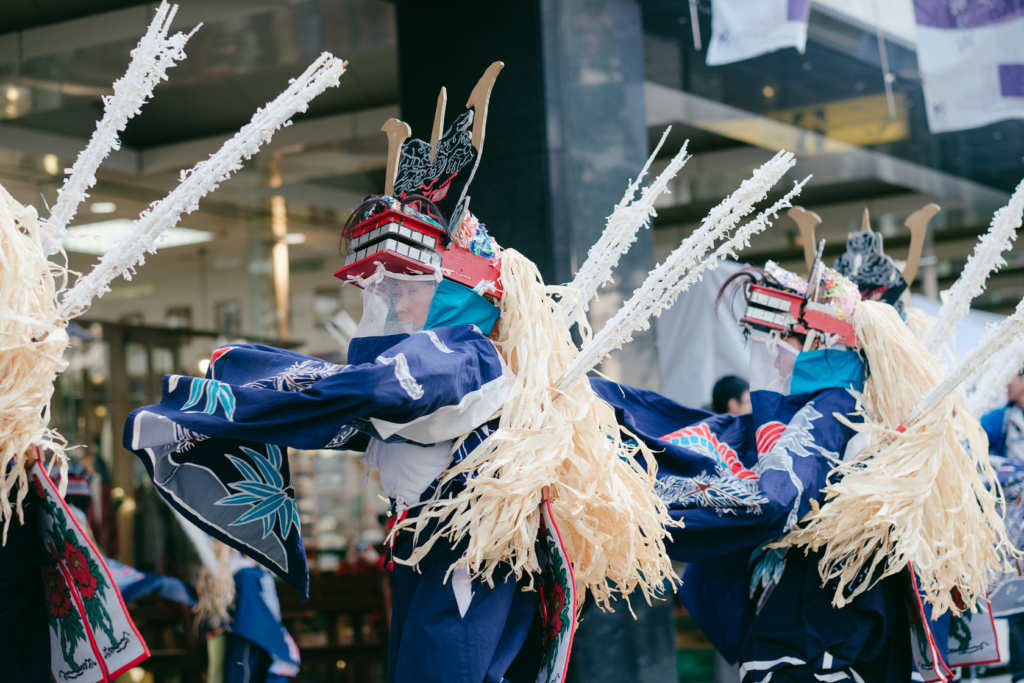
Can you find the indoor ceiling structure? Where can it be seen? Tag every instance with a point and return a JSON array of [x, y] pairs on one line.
[[58, 58]]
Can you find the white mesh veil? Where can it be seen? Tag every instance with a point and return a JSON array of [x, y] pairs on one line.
[[771, 362], [395, 303]]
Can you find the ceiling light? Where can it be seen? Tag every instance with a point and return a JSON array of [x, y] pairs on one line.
[[99, 238], [294, 238], [13, 93], [51, 164], [204, 365], [768, 91], [103, 207]]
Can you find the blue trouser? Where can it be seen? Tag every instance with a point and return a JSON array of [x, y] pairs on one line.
[[24, 631], [431, 641], [247, 662]]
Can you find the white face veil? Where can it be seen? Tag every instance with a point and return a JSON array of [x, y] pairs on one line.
[[395, 303], [771, 362]]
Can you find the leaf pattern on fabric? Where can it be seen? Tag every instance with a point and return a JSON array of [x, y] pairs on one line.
[[211, 393], [264, 490], [795, 441], [721, 490], [436, 341], [299, 376], [404, 376]]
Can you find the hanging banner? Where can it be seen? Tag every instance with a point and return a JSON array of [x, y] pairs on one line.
[[971, 59], [741, 29]]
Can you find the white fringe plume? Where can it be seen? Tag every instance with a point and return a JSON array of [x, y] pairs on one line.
[[987, 387], [620, 232], [198, 182], [996, 338], [151, 59], [684, 266], [986, 260], [912, 496]]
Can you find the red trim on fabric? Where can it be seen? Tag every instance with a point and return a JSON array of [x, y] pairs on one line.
[[993, 620], [216, 356], [113, 585], [85, 622], [928, 629], [572, 578], [392, 521]]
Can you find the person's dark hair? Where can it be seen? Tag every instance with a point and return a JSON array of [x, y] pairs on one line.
[[727, 388], [377, 203]]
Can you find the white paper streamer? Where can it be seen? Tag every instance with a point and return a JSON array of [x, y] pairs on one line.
[[151, 59], [197, 182], [986, 260], [620, 232], [681, 269]]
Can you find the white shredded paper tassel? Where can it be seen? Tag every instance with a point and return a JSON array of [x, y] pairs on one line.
[[684, 265], [151, 59], [620, 232], [986, 260], [199, 181]]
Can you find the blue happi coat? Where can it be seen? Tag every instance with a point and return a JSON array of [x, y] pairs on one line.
[[215, 446], [738, 483]]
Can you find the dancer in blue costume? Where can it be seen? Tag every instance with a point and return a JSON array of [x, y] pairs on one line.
[[424, 386], [741, 483]]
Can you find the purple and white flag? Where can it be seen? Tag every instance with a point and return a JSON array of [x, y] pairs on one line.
[[741, 29], [971, 57]]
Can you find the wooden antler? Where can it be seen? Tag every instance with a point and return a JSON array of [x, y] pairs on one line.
[[398, 132], [478, 100], [918, 224], [435, 136], [806, 221]]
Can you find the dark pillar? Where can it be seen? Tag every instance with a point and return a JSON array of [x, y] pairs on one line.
[[565, 131]]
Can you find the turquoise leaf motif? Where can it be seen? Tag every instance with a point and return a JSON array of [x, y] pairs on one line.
[[263, 490], [214, 393]]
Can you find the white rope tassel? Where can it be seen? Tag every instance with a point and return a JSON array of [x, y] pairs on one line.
[[197, 182], [986, 260], [668, 280], [620, 232], [151, 59]]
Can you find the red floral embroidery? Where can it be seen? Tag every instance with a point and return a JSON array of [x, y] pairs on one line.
[[57, 595], [80, 572], [555, 602]]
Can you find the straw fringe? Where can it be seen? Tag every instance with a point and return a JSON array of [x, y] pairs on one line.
[[611, 521], [31, 349], [914, 496], [216, 590]]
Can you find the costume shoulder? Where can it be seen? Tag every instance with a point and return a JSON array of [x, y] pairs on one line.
[[215, 447], [449, 377]]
